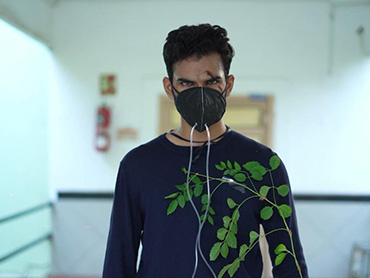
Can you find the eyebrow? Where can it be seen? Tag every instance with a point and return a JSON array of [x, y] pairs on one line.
[[213, 77], [184, 80], [216, 78]]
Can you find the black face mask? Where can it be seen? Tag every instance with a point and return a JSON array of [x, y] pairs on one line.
[[200, 105]]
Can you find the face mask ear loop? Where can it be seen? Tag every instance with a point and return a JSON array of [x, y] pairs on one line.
[[172, 91], [208, 201], [191, 201], [224, 92]]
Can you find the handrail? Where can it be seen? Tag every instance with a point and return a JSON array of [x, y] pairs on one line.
[[297, 197], [86, 195], [29, 245], [25, 212], [331, 197]]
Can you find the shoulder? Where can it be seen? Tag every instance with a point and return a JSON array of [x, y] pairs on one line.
[[249, 150], [246, 149], [246, 144], [143, 152]]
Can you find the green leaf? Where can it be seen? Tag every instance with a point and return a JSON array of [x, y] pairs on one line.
[[186, 194], [210, 220], [231, 203], [266, 213], [215, 251], [223, 165], [202, 217], [279, 258], [204, 199], [172, 196], [184, 170], [223, 271], [264, 190], [280, 248], [229, 165], [181, 187], [211, 211], [225, 250], [257, 176], [283, 190], [274, 162], [221, 233], [226, 172], [253, 236], [181, 200], [240, 177], [236, 215], [234, 228], [233, 172], [198, 190], [234, 267], [256, 169], [250, 165], [226, 220], [262, 170], [219, 167], [258, 172], [195, 179], [242, 250], [237, 166], [172, 207], [285, 211], [231, 240]]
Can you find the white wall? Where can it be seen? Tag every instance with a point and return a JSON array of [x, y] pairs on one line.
[[282, 48], [24, 89], [24, 156]]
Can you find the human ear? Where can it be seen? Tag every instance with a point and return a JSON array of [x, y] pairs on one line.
[[167, 87], [229, 84]]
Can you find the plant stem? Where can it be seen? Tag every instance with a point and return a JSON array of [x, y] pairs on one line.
[[273, 185], [256, 194], [250, 180], [255, 243], [214, 190], [293, 249]]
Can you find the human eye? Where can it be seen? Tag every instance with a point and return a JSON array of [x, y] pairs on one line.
[[186, 83], [212, 82]]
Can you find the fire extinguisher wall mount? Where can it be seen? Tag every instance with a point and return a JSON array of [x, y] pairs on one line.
[[102, 137]]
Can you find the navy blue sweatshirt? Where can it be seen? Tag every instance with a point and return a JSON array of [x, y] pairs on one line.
[[150, 172]]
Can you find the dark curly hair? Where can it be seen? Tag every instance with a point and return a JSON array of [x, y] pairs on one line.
[[198, 40]]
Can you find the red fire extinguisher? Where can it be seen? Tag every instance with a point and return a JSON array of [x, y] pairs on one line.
[[102, 138]]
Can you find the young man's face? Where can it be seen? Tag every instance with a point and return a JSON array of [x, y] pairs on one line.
[[208, 71]]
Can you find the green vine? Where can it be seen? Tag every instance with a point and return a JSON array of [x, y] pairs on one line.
[[242, 175]]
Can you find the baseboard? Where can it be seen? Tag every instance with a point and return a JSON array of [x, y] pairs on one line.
[[74, 276]]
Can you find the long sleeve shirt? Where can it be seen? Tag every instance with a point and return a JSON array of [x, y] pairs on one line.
[[152, 171]]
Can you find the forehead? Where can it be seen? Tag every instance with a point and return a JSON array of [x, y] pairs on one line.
[[194, 66]]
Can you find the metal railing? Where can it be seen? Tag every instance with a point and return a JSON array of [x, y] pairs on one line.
[[31, 244]]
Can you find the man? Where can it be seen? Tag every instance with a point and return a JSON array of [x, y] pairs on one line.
[[195, 196]]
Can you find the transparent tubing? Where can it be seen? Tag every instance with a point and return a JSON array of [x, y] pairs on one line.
[[200, 223], [190, 199], [208, 201]]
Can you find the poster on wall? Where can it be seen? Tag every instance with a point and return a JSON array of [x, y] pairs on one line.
[[107, 84]]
